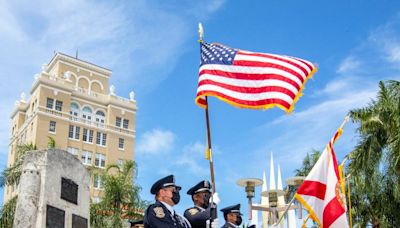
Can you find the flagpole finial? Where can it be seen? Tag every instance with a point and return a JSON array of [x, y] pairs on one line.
[[346, 119], [201, 32]]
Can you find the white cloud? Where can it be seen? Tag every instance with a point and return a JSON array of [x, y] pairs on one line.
[[349, 64], [191, 157], [155, 142], [134, 39], [376, 58], [385, 40], [393, 51]]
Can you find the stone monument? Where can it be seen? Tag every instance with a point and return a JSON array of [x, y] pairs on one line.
[[53, 191]]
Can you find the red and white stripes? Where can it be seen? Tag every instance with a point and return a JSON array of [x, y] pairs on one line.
[[255, 80]]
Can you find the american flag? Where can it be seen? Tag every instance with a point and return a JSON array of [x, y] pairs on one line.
[[250, 80]]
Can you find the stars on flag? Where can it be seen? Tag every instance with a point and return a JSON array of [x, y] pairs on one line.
[[216, 54]]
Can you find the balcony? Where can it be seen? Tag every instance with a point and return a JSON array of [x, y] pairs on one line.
[[85, 122], [66, 84]]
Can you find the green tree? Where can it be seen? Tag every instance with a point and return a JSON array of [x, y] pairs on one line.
[[52, 143], [308, 163], [7, 213], [121, 200], [375, 161], [10, 176]]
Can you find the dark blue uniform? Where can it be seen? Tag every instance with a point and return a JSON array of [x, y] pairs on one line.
[[228, 225], [158, 216], [232, 209], [197, 216]]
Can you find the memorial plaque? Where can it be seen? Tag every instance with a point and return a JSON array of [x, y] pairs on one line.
[[69, 190], [79, 222], [55, 218]]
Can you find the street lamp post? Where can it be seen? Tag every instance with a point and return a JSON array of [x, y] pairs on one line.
[[250, 183]]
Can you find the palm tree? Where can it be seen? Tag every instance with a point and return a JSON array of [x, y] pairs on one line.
[[308, 163], [121, 200], [7, 213], [11, 176], [375, 161]]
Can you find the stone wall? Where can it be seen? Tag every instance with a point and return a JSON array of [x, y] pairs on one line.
[[53, 191]]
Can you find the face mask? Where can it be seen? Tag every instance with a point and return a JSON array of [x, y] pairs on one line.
[[238, 220], [206, 200], [176, 197]]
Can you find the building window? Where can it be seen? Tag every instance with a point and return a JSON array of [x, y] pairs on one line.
[[86, 157], [50, 103], [87, 114], [73, 151], [101, 138], [126, 124], [97, 182], [52, 126], [74, 132], [33, 106], [100, 160], [59, 105], [100, 118], [87, 135], [118, 121], [74, 110], [121, 143]]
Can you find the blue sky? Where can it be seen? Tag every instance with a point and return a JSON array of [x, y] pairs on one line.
[[151, 47]]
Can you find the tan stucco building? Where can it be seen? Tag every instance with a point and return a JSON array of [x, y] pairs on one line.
[[71, 101]]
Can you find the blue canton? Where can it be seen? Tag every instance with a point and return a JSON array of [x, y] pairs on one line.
[[216, 54]]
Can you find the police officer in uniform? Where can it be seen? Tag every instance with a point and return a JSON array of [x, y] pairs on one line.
[[202, 209], [232, 216], [161, 214]]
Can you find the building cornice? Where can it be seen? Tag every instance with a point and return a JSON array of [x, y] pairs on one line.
[[79, 62]]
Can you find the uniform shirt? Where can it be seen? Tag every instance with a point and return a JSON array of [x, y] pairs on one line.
[[228, 225], [158, 215], [197, 216]]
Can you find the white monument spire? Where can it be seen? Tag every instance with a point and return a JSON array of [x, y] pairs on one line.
[[272, 175], [264, 202], [281, 199]]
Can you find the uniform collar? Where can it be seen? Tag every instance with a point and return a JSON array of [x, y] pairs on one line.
[[200, 208], [169, 207]]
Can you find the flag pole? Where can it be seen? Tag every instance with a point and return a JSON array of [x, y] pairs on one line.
[[210, 158], [208, 149], [213, 211]]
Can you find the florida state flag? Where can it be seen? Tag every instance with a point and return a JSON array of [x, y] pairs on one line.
[[321, 193]]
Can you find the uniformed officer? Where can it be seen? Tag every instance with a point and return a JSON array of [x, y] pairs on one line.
[[232, 216], [161, 214], [202, 209]]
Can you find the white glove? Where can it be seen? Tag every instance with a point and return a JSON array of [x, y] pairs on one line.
[[215, 198], [214, 224]]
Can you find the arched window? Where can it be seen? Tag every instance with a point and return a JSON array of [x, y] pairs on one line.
[[87, 114], [74, 111], [100, 117]]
